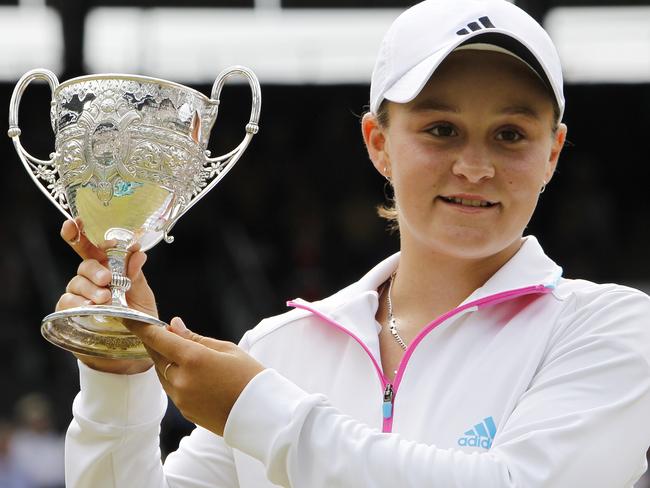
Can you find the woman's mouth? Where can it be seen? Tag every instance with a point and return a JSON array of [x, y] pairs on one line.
[[468, 202]]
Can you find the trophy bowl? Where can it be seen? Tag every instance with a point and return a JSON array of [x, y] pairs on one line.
[[130, 159]]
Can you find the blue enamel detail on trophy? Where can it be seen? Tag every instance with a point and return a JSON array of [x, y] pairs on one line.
[[123, 188]]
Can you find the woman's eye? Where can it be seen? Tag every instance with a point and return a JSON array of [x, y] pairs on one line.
[[443, 130], [509, 135]]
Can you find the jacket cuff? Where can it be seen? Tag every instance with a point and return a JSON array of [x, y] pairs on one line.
[[120, 400], [265, 412]]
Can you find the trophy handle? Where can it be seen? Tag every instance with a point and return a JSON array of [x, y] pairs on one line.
[[218, 167], [37, 168]]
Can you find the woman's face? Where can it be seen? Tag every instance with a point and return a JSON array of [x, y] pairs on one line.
[[468, 157]]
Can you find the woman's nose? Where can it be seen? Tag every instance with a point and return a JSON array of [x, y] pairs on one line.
[[474, 164]]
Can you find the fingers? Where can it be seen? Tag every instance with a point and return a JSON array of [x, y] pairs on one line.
[[176, 342], [134, 265], [70, 232], [79, 242], [162, 342], [91, 282], [89, 286], [88, 251], [70, 300], [177, 326], [94, 271], [83, 287]]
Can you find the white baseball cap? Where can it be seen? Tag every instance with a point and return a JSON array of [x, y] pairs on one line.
[[425, 34]]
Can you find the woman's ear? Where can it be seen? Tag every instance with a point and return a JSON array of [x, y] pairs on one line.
[[559, 138], [374, 135]]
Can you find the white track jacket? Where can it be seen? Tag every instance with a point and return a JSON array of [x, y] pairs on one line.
[[533, 381]]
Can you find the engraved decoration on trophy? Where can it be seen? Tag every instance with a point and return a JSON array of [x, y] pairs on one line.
[[130, 159]]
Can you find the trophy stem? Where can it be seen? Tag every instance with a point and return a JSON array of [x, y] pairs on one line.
[[120, 284]]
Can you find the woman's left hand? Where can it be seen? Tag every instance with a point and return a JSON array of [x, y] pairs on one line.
[[202, 376]]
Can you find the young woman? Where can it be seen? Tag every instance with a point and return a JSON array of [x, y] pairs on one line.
[[464, 360]]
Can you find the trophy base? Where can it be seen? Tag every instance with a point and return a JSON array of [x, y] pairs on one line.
[[98, 330]]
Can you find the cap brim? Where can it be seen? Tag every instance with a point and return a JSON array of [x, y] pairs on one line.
[[411, 83]]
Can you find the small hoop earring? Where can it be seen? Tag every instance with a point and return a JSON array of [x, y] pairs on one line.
[[386, 175], [543, 188], [388, 191]]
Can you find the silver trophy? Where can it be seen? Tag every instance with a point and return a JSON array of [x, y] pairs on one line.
[[130, 159]]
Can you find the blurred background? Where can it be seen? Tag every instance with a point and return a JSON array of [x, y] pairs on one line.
[[296, 216]]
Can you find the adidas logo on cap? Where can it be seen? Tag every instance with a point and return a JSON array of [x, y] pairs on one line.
[[474, 26]]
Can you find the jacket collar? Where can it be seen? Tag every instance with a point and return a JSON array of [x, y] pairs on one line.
[[530, 266], [355, 307]]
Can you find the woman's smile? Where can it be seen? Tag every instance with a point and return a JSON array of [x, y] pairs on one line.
[[468, 203]]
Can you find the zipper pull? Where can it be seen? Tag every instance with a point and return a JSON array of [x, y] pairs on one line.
[[387, 407]]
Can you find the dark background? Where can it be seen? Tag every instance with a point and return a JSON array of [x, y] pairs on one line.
[[296, 216]]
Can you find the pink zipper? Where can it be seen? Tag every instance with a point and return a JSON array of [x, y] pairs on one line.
[[390, 390]]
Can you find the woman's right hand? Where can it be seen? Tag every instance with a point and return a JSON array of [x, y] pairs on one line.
[[90, 286]]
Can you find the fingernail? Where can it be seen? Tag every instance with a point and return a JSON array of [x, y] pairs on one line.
[[179, 323]]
